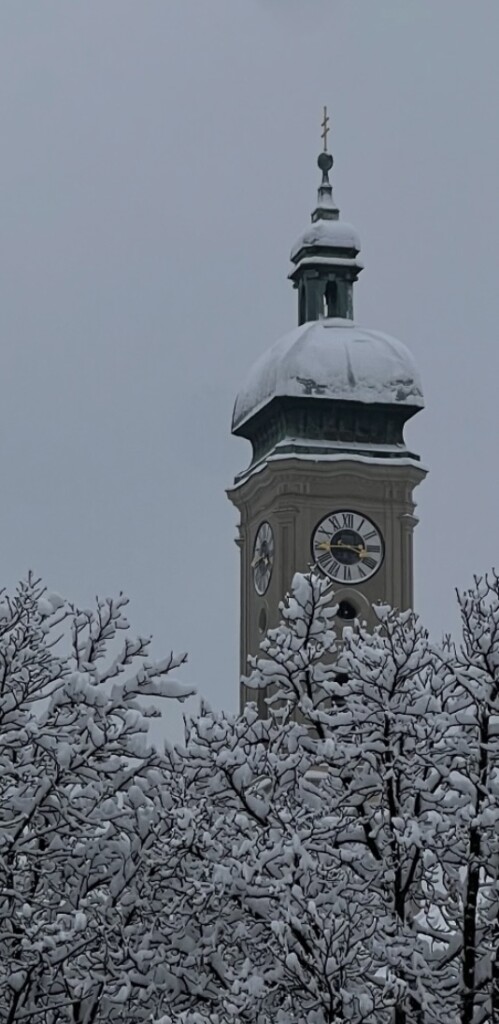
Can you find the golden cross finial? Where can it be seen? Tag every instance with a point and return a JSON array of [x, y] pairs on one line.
[[325, 129]]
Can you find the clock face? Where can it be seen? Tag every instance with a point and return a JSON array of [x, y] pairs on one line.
[[263, 557], [348, 547]]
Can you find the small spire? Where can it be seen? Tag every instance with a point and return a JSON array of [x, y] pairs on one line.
[[326, 208]]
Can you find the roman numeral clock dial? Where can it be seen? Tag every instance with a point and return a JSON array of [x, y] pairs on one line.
[[347, 547]]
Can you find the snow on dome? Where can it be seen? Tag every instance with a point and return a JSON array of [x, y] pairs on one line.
[[337, 234], [332, 359]]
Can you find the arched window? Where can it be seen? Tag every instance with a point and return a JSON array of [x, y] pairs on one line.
[[347, 611], [330, 299], [302, 305]]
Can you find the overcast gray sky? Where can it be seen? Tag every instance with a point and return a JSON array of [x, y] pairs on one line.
[[158, 161]]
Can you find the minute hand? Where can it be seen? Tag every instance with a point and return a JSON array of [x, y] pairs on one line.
[[328, 546]]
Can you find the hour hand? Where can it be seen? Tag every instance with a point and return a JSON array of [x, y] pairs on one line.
[[259, 558], [326, 545]]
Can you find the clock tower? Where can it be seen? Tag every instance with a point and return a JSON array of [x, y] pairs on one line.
[[330, 481]]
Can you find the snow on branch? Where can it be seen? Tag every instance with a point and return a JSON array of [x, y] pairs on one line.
[[335, 862]]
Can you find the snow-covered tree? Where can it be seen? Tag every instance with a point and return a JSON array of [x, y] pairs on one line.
[[406, 744], [471, 906], [82, 802], [334, 862]]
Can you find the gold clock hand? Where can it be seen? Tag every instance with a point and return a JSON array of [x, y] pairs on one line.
[[260, 558], [329, 546]]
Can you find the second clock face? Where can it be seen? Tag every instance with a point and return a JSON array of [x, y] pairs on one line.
[[263, 557], [348, 547]]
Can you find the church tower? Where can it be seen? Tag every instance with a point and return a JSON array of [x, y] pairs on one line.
[[330, 482]]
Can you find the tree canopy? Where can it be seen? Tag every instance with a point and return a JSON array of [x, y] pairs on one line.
[[335, 861]]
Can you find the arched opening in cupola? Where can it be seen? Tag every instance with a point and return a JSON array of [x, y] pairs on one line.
[[330, 300], [302, 305]]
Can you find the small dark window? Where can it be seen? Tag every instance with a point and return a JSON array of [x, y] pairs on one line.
[[262, 621], [346, 610], [331, 299], [302, 306], [341, 678]]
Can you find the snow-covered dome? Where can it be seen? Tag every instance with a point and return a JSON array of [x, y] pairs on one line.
[[336, 234], [332, 359]]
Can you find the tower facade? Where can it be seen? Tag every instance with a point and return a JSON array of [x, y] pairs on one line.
[[330, 482]]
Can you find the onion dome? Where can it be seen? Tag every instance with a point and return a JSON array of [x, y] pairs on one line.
[[331, 360]]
